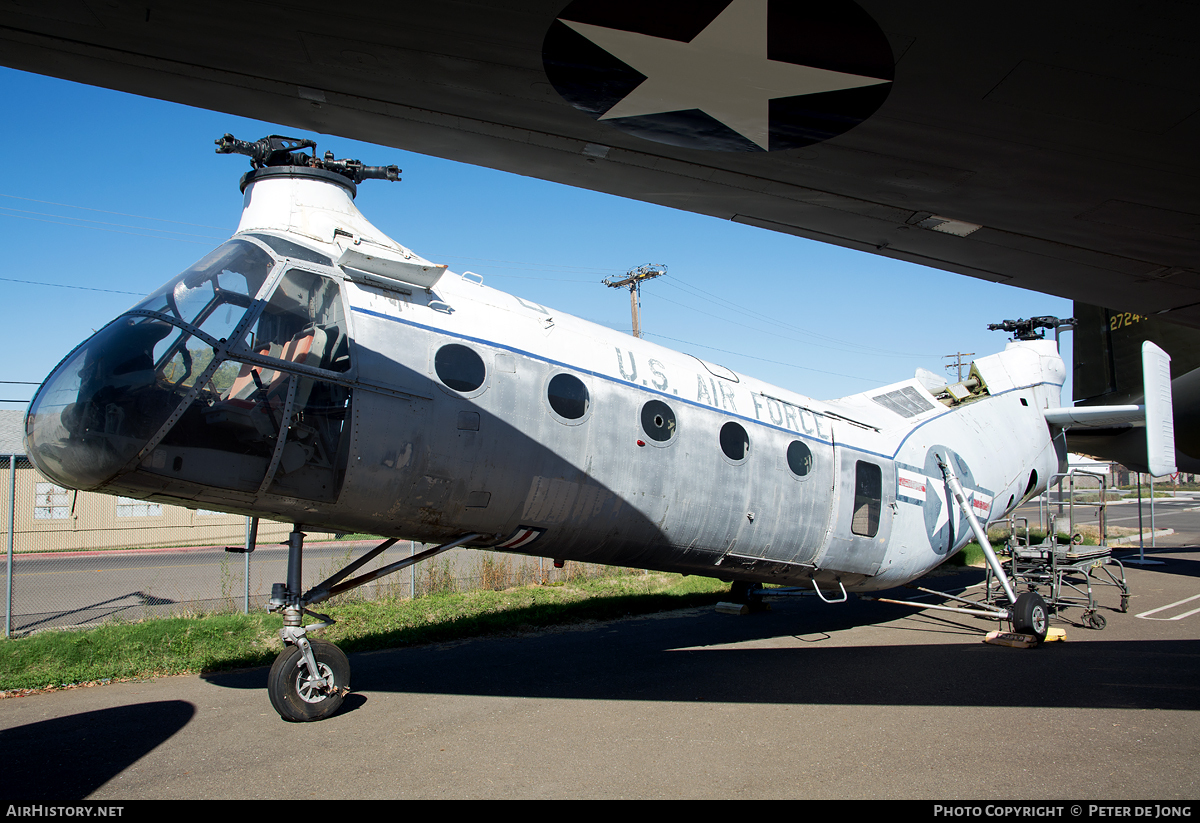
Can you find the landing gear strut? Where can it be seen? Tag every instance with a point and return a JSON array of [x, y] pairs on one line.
[[1029, 613], [743, 591], [310, 678]]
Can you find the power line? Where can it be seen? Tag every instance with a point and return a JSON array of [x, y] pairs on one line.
[[101, 228], [767, 360], [825, 339], [65, 286], [4, 209], [106, 211]]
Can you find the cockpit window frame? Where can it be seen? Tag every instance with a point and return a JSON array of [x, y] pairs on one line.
[[235, 349], [180, 324]]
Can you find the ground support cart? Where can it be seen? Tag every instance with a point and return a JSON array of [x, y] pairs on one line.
[[1066, 574]]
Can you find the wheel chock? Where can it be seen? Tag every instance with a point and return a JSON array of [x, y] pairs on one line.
[[1022, 641], [1011, 639]]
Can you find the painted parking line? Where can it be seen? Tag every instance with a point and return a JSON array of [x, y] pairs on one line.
[[1146, 615]]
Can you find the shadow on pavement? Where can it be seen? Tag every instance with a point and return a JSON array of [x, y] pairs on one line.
[[68, 758]]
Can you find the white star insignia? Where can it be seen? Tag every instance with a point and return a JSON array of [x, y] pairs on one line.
[[943, 515], [724, 71]]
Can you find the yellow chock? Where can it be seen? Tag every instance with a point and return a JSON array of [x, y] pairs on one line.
[[1012, 639], [1023, 641]]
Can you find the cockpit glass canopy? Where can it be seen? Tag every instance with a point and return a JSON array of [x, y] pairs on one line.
[[229, 276], [94, 413], [152, 391], [303, 322]]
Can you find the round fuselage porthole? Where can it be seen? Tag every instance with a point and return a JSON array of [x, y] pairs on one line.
[[568, 397], [459, 367], [735, 442], [658, 421]]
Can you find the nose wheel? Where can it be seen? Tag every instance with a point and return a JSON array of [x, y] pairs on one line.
[[310, 678], [297, 693]]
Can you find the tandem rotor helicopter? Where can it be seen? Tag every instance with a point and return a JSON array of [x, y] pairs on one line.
[[313, 370]]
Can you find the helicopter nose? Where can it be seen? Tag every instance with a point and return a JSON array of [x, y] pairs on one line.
[[101, 405]]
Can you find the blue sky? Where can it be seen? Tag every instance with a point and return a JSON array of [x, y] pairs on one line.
[[106, 195]]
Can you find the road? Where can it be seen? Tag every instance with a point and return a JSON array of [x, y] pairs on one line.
[[861, 700], [85, 588]]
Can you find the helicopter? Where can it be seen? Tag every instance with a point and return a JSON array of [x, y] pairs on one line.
[[315, 371]]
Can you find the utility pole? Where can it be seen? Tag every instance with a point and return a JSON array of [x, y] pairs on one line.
[[633, 281], [959, 355]]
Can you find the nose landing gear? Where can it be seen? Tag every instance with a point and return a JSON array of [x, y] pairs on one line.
[[310, 678]]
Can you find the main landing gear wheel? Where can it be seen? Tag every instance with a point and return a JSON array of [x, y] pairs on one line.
[[1030, 615], [743, 591], [296, 694]]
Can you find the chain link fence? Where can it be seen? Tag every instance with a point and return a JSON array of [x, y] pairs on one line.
[[78, 559]]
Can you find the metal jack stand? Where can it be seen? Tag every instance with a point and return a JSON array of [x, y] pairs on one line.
[[1069, 571], [1141, 559]]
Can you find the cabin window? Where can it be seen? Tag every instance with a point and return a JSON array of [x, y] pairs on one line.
[[658, 421], [734, 441], [799, 458], [568, 396], [868, 498], [459, 367]]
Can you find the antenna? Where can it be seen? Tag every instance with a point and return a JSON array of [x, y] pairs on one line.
[[633, 281]]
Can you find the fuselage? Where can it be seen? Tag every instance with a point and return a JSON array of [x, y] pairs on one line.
[[276, 378]]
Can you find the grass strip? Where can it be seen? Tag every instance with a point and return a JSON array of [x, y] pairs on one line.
[[220, 642]]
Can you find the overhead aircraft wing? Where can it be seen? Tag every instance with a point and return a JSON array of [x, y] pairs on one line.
[[1051, 149]]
